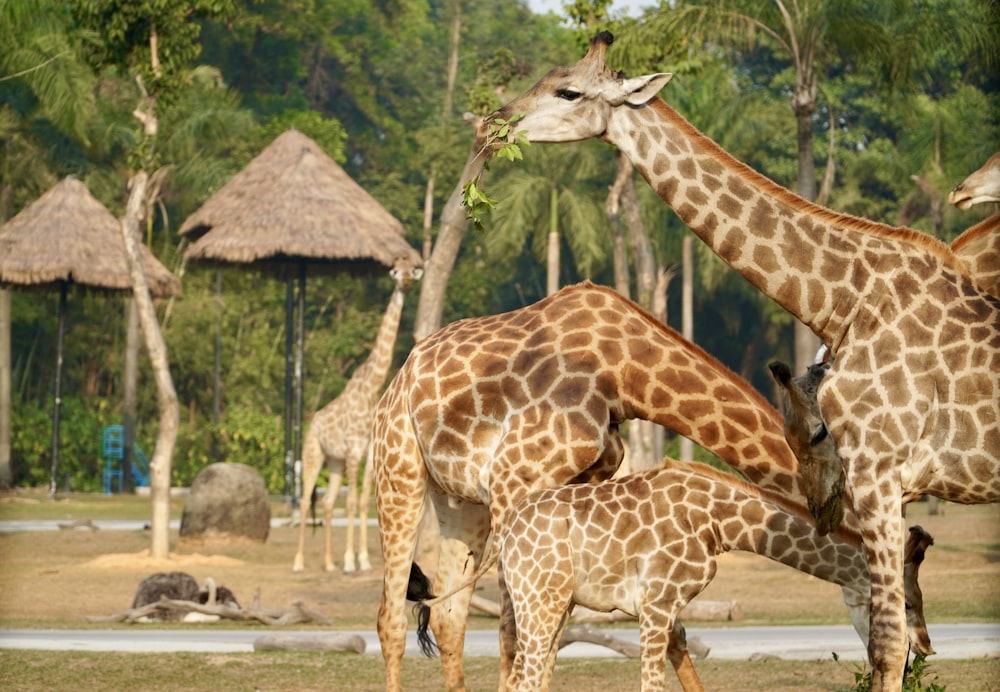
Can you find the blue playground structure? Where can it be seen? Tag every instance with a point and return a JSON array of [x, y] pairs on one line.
[[114, 451]]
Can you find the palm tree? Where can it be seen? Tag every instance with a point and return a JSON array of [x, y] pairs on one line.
[[548, 199], [47, 93]]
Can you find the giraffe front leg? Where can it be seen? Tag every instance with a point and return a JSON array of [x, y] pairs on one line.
[[364, 563], [329, 499], [351, 474], [655, 629], [884, 533]]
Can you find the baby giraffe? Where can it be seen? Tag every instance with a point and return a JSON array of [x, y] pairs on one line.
[[646, 544]]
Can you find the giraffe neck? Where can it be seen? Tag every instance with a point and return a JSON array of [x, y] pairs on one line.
[[768, 523], [814, 262], [677, 384], [371, 374]]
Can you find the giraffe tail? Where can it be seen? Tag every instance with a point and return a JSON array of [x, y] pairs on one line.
[[418, 589]]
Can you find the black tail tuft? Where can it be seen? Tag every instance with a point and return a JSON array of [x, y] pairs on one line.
[[419, 587], [428, 647]]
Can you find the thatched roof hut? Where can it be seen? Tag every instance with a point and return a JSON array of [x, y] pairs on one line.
[[293, 203], [67, 237]]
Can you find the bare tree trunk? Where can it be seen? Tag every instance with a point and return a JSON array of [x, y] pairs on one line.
[[806, 343], [130, 396], [6, 475], [439, 265], [687, 317], [641, 432], [552, 255], [166, 395], [612, 208]]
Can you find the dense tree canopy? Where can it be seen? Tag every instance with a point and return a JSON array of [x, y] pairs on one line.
[[369, 81]]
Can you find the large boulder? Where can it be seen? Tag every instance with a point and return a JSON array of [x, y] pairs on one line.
[[228, 503]]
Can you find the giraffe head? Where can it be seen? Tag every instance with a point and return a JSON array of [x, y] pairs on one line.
[[981, 186], [574, 103], [820, 465], [404, 272]]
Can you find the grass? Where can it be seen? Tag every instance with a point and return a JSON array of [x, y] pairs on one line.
[[53, 579]]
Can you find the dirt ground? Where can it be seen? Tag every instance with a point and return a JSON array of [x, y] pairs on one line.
[[55, 579], [83, 572]]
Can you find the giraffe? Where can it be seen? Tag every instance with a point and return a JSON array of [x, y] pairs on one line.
[[646, 545], [981, 186], [339, 432], [807, 434], [913, 396], [488, 409], [979, 245]]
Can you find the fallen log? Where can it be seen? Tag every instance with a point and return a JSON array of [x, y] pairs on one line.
[[695, 610]]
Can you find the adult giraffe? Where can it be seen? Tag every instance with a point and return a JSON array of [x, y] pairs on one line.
[[339, 433], [913, 397], [488, 409]]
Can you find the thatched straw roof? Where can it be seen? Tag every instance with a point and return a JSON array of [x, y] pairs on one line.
[[292, 203], [66, 235]]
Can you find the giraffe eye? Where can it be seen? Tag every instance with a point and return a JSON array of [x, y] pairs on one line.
[[569, 93], [818, 435]]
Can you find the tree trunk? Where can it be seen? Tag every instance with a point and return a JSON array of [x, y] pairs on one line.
[[612, 209], [166, 395], [641, 433], [806, 343], [552, 255], [439, 266], [130, 397], [687, 317], [6, 475]]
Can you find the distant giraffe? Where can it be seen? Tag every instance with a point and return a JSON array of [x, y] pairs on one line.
[[339, 433], [646, 545], [913, 396]]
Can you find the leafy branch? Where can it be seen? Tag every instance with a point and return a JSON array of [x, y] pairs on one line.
[[499, 142]]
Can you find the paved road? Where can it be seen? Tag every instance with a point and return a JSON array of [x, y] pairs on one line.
[[794, 643]]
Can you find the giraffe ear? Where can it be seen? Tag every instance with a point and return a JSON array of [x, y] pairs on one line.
[[417, 273], [639, 91]]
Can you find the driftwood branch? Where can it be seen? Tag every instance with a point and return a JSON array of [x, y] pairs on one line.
[[592, 635], [298, 613]]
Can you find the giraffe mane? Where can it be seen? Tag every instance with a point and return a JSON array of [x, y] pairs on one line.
[[973, 233], [921, 240], [697, 352]]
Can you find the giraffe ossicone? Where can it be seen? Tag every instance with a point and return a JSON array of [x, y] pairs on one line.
[[913, 396], [339, 434]]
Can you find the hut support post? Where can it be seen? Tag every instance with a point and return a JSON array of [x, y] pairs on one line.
[[300, 335], [217, 366], [53, 478], [290, 497]]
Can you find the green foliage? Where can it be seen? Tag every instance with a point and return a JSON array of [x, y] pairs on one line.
[[500, 142], [913, 681], [366, 80]]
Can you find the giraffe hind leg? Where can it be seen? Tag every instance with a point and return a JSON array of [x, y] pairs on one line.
[[329, 500], [312, 463]]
